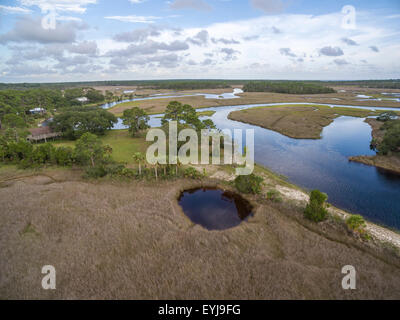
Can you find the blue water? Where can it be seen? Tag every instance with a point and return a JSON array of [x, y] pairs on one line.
[[323, 164]]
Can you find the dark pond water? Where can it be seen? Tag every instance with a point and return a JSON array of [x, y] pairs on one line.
[[214, 209]]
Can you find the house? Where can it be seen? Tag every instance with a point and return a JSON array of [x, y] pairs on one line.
[[37, 111], [82, 99], [42, 133]]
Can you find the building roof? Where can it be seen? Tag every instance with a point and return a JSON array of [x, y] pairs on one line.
[[37, 109], [40, 131]]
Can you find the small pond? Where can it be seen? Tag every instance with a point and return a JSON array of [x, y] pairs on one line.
[[215, 209]]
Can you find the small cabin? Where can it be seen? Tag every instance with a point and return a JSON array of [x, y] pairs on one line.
[[42, 134], [37, 111], [82, 99]]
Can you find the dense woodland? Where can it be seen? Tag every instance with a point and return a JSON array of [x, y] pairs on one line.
[[289, 87], [381, 84], [390, 144]]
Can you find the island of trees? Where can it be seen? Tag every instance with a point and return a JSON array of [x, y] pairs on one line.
[[289, 87]]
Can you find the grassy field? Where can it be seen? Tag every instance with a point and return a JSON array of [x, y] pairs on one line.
[[296, 121], [131, 240], [122, 143]]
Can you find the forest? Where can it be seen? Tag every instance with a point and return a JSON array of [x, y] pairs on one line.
[[288, 87]]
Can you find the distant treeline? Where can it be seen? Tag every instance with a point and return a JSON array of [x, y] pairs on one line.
[[384, 84], [157, 84], [190, 84], [289, 87]]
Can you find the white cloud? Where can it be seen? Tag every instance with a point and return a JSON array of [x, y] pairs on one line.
[[134, 18], [9, 9], [28, 29], [75, 6]]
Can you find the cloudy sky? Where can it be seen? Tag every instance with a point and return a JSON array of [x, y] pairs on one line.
[[77, 40]]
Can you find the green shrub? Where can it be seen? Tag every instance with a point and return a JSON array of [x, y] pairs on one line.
[[249, 183], [192, 173], [128, 173], [355, 222], [43, 153], [274, 195], [315, 209], [64, 156], [95, 172]]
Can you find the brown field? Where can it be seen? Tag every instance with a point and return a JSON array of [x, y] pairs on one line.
[[300, 121], [130, 240], [346, 98], [391, 163]]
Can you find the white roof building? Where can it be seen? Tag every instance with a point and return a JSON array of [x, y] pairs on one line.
[[37, 110]]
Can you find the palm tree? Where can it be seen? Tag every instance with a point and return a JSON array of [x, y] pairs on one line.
[[155, 169], [138, 157], [178, 164], [163, 163]]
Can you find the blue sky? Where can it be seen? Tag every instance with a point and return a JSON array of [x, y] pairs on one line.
[[158, 39]]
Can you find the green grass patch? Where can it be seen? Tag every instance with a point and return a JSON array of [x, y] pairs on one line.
[[205, 113], [122, 143]]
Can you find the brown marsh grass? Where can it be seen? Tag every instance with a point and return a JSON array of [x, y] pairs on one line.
[[131, 240]]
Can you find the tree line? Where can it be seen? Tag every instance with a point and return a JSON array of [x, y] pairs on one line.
[[390, 144], [289, 87]]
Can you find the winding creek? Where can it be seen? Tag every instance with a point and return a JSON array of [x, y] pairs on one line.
[[322, 164]]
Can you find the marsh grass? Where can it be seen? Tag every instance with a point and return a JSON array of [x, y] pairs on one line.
[[130, 240], [296, 121]]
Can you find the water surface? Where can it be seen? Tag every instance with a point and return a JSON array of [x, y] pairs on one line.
[[214, 209]]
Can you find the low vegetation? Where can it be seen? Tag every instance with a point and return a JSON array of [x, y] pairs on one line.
[[296, 121], [274, 195], [133, 235], [249, 183], [356, 222]]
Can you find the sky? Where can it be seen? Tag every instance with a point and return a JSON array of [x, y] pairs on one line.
[[85, 40]]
